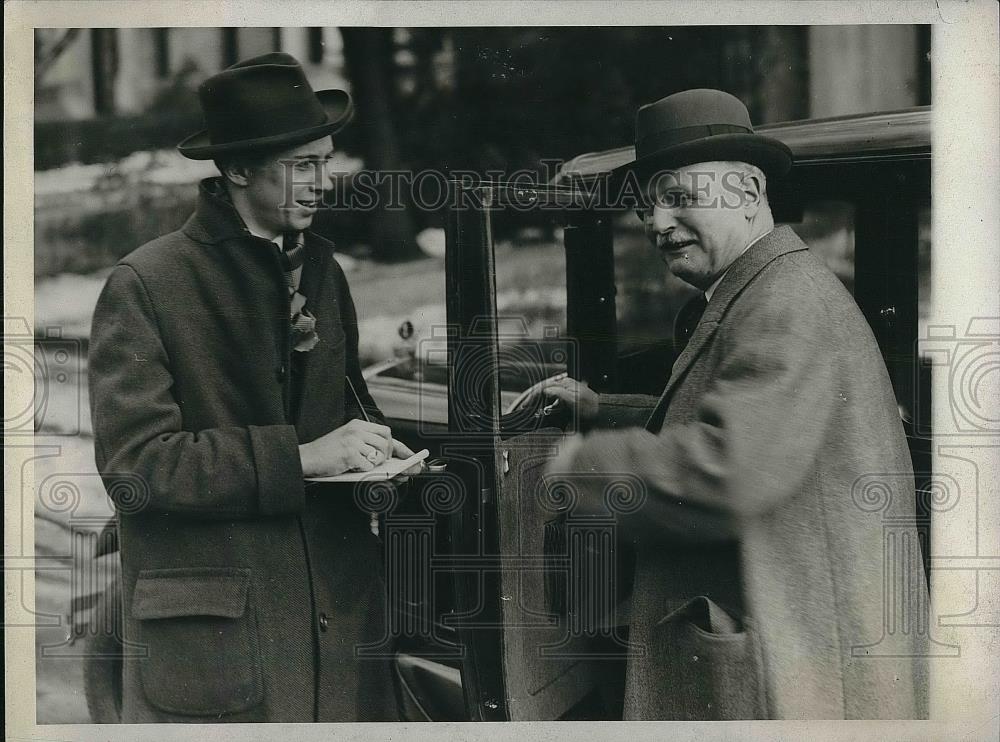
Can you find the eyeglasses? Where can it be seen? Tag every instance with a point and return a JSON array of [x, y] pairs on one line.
[[668, 200]]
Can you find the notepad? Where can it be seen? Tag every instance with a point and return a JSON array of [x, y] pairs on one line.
[[386, 470]]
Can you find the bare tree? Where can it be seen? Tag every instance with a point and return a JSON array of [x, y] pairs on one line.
[[46, 54], [368, 55]]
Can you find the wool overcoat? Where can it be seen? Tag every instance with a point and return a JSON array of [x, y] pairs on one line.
[[778, 570], [247, 594]]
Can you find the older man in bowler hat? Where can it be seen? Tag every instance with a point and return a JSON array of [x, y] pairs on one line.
[[759, 587], [223, 371]]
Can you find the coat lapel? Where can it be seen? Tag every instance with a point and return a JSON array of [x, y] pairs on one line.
[[316, 369], [778, 242], [314, 266]]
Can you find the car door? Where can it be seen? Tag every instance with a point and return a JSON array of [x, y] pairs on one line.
[[481, 601], [540, 644]]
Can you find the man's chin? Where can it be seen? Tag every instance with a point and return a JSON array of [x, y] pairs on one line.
[[683, 270], [301, 222]]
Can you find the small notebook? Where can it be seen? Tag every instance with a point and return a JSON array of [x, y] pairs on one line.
[[386, 470]]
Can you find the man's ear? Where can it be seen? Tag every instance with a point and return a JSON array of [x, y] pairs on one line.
[[753, 193], [237, 173]]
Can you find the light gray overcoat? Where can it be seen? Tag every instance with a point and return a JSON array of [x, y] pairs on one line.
[[774, 576]]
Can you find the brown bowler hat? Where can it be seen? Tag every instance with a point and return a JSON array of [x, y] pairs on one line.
[[700, 125], [264, 101]]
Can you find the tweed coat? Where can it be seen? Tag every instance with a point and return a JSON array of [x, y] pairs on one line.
[[773, 463], [245, 592]]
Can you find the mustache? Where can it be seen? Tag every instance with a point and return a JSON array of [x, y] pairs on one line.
[[672, 242]]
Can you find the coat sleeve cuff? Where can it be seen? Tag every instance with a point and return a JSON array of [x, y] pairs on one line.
[[280, 486], [623, 410]]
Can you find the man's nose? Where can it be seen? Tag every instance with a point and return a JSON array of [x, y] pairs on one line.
[[659, 221], [327, 178], [662, 219]]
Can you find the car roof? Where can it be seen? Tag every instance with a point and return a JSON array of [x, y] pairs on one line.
[[889, 135]]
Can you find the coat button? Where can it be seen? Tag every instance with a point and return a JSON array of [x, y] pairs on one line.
[[324, 622], [281, 372]]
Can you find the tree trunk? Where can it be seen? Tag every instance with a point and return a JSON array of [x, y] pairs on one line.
[[368, 56], [46, 57], [104, 66]]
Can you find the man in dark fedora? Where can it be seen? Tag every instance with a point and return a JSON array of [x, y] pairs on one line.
[[223, 371], [758, 588]]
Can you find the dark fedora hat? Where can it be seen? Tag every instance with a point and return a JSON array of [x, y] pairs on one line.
[[264, 102], [700, 125]]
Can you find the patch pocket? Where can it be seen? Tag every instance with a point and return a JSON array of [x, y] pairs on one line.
[[710, 664], [204, 655]]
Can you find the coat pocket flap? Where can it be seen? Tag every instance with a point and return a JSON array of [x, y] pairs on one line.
[[706, 615], [710, 662], [171, 593]]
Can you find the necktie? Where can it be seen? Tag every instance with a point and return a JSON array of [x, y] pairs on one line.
[[684, 326], [303, 322], [687, 320], [292, 255]]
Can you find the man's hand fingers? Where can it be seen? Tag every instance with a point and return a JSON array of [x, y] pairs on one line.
[[531, 400], [382, 430], [560, 392], [375, 440], [565, 389], [360, 463], [401, 450]]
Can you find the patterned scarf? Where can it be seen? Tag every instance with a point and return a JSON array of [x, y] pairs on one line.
[[304, 337]]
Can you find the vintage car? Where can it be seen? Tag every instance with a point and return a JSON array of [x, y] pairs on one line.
[[487, 584]]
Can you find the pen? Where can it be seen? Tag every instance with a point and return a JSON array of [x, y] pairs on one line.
[[364, 412], [373, 516]]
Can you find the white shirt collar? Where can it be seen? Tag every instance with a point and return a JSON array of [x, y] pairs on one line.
[[280, 242], [715, 284]]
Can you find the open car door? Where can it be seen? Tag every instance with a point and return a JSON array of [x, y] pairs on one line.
[[534, 609]]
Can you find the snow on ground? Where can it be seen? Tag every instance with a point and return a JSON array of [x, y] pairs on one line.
[[163, 167], [432, 242], [67, 302]]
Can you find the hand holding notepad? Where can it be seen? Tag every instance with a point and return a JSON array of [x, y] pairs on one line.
[[389, 469]]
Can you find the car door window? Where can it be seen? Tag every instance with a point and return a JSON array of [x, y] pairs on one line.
[[649, 296], [827, 227], [405, 344], [530, 265]]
